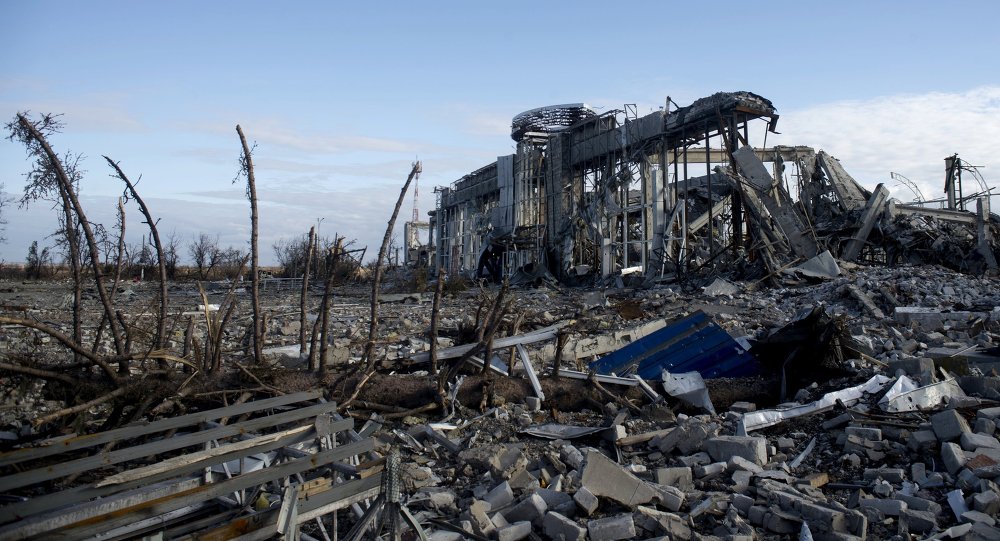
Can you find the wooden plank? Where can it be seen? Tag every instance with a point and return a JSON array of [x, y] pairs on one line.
[[540, 335], [219, 454], [89, 520], [81, 494], [614, 380], [179, 442], [530, 371], [71, 443]]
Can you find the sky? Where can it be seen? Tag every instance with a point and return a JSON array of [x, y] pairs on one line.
[[340, 98]]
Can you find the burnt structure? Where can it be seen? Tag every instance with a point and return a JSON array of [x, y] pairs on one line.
[[679, 191]]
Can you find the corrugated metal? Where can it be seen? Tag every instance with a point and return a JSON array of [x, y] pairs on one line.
[[694, 343]]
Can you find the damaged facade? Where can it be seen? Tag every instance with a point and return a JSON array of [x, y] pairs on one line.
[[590, 195]]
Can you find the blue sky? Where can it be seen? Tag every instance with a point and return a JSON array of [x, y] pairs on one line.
[[341, 98]]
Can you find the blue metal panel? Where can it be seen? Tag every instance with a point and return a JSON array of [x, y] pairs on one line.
[[694, 343]]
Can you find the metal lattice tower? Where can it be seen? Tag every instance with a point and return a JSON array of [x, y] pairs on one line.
[[416, 194]]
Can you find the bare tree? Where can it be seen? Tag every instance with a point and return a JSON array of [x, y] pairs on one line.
[[204, 252], [50, 173], [161, 321], [246, 168]]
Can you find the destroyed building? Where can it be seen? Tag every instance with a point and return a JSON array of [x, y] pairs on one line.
[[682, 190]]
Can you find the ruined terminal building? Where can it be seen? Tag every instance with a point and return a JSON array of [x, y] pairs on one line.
[[684, 189]]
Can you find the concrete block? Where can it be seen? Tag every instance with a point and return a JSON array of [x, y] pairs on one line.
[[586, 500], [919, 521], [501, 496], [918, 472], [971, 441], [479, 516], [976, 516], [671, 498], [949, 425], [709, 469], [679, 477], [721, 448], [556, 526], [529, 509], [738, 463], [986, 502], [553, 498], [984, 426], [988, 413], [533, 403], [741, 502], [892, 475], [863, 432], [920, 504], [607, 479], [661, 523], [571, 456], [514, 532], [922, 440], [612, 528], [953, 456], [888, 507]]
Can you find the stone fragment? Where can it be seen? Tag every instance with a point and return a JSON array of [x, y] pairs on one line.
[[501, 496], [661, 523], [889, 507], [867, 433], [514, 532], [679, 477], [607, 479], [736, 463], [922, 440], [919, 521], [953, 456], [529, 509], [986, 502], [971, 441], [612, 528], [561, 528], [984, 426], [976, 516], [586, 500], [948, 425], [752, 448]]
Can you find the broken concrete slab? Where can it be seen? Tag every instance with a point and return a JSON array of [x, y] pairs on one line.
[[606, 479]]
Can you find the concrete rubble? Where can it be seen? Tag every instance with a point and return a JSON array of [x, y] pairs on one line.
[[866, 397]]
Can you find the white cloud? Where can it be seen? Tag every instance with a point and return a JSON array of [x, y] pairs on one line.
[[907, 134]]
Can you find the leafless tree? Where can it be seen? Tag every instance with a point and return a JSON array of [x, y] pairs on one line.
[[204, 252], [49, 175], [246, 169]]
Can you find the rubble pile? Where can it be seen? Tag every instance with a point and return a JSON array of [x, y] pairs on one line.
[[872, 413]]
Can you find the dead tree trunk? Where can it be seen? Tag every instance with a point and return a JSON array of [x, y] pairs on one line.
[[369, 353], [305, 291], [246, 162], [161, 322], [324, 341], [67, 190], [73, 244]]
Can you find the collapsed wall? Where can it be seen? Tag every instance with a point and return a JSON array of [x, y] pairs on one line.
[[589, 196]]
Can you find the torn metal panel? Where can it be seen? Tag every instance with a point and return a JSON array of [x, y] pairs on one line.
[[694, 343], [906, 396], [688, 387], [823, 265], [755, 420]]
